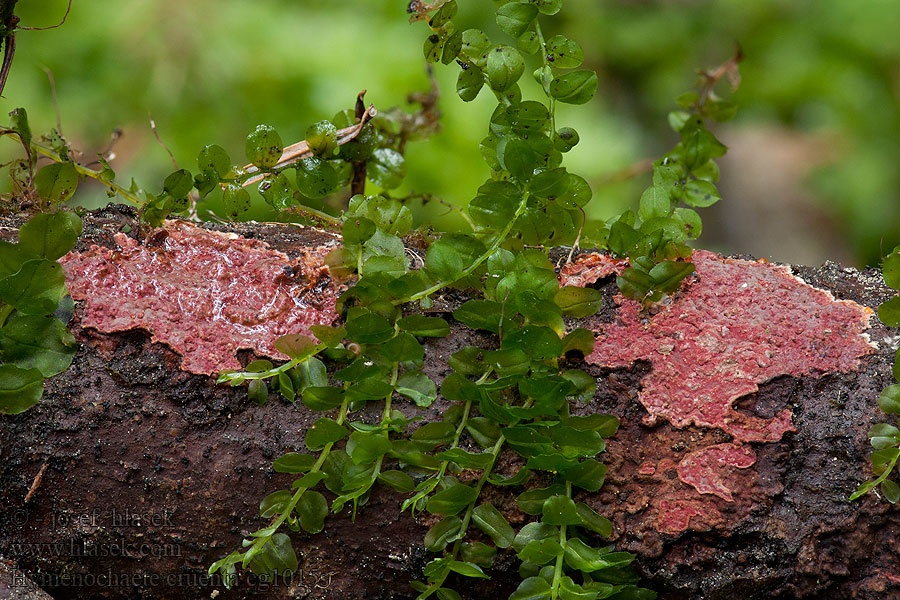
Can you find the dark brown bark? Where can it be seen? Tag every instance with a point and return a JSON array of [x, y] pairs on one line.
[[124, 431]]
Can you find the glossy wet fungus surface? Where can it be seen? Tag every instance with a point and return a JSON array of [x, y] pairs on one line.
[[203, 293]]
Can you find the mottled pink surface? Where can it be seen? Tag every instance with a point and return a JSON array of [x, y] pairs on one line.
[[739, 324], [205, 294], [704, 469]]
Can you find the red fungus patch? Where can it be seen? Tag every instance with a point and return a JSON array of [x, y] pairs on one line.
[[203, 293], [739, 324], [704, 470]]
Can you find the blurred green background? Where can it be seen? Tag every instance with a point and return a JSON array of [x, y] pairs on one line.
[[812, 172]]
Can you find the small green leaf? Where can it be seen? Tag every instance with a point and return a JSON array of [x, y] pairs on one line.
[[494, 524], [890, 490], [50, 235], [37, 341], [452, 500], [655, 203], [578, 301], [593, 521], [889, 312], [20, 389], [56, 182], [448, 257], [386, 169], [295, 345], [588, 475], [891, 269], [452, 47], [579, 340], [560, 510], [214, 159], [889, 400], [467, 569], [505, 66], [294, 462], [322, 138], [668, 275], [178, 184], [467, 460], [36, 288], [274, 504], [365, 447], [536, 342], [514, 18], [311, 511], [421, 325], [469, 83], [264, 147], [398, 480], [418, 387], [564, 53], [322, 397], [532, 588], [323, 432], [540, 552], [476, 45], [236, 200], [577, 87], [316, 178], [442, 533], [369, 328], [431, 435], [700, 194]]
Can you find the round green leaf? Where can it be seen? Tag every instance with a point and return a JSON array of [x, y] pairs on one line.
[[891, 269], [322, 138], [889, 312], [50, 235], [469, 83], [432, 48], [889, 400], [20, 389], [387, 168], [311, 511], [564, 53], [264, 147], [514, 18], [316, 178], [494, 524], [452, 47], [700, 194], [56, 182], [214, 159], [442, 533], [369, 328], [418, 387], [324, 431], [476, 45], [36, 288], [178, 184], [577, 87], [236, 200], [449, 256], [36, 341], [505, 66], [277, 191]]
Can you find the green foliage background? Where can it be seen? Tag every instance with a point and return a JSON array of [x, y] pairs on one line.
[[209, 71]]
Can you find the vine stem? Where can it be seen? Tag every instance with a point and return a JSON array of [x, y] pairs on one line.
[[467, 518], [86, 172], [289, 508], [501, 237], [546, 61], [558, 568]]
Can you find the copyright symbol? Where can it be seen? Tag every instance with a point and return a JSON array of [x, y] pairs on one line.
[[20, 517]]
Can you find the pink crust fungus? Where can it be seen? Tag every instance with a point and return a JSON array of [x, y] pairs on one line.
[[205, 294], [739, 324], [703, 468]]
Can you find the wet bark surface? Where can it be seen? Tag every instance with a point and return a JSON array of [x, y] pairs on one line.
[[152, 473]]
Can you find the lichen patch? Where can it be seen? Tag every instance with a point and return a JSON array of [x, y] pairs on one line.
[[705, 469], [203, 293]]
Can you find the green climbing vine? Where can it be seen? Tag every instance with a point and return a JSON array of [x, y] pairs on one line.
[[520, 394]]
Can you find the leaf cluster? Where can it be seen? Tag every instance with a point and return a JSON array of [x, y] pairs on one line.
[[34, 308], [885, 437]]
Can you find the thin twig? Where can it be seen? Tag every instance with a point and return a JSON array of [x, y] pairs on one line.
[[9, 50], [60, 24], [55, 101], [161, 143], [301, 149], [36, 482]]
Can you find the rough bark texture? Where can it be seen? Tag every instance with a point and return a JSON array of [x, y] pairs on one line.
[[153, 473]]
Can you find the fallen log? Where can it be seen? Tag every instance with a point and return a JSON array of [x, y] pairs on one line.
[[139, 471]]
